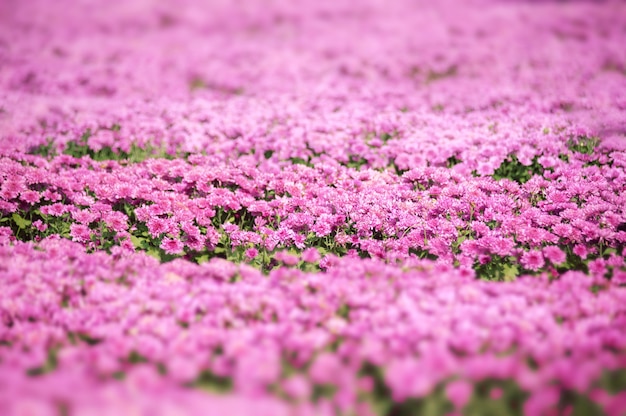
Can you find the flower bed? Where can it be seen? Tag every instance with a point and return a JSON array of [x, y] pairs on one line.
[[313, 208]]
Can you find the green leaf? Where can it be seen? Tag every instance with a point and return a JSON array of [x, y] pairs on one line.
[[154, 252], [137, 242], [608, 251], [511, 271], [202, 259], [382, 406], [20, 221]]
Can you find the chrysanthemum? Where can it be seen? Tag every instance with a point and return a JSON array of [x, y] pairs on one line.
[[554, 254], [580, 251], [251, 253], [172, 245], [31, 197], [80, 232], [532, 260]]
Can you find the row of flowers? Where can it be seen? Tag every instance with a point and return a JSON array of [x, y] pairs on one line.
[[378, 336], [565, 215]]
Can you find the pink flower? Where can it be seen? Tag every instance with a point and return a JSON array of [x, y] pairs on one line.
[[80, 232], [459, 392], [580, 251], [255, 368], [84, 216], [56, 210], [157, 226], [554, 254], [251, 253], [31, 197], [299, 240], [12, 188], [311, 255], [6, 235], [562, 230], [127, 245], [321, 228], [117, 221], [259, 207], [597, 266], [406, 378], [39, 225], [325, 368], [8, 206], [496, 393], [181, 368], [195, 241], [541, 401], [619, 277], [297, 387], [287, 258], [500, 245], [471, 248], [615, 260], [51, 195], [212, 237], [532, 260], [172, 245], [328, 261]]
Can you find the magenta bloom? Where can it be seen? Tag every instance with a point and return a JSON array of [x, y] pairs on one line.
[[39, 225], [532, 260], [251, 253], [619, 277], [80, 232], [297, 387], [311, 255], [157, 226], [597, 266], [56, 210], [554, 254], [287, 258], [172, 245], [325, 368], [580, 251], [31, 197], [459, 392], [541, 401]]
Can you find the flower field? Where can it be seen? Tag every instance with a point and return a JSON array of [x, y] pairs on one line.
[[326, 207]]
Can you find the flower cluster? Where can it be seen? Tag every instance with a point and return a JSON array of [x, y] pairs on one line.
[[313, 207], [568, 218], [426, 332]]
